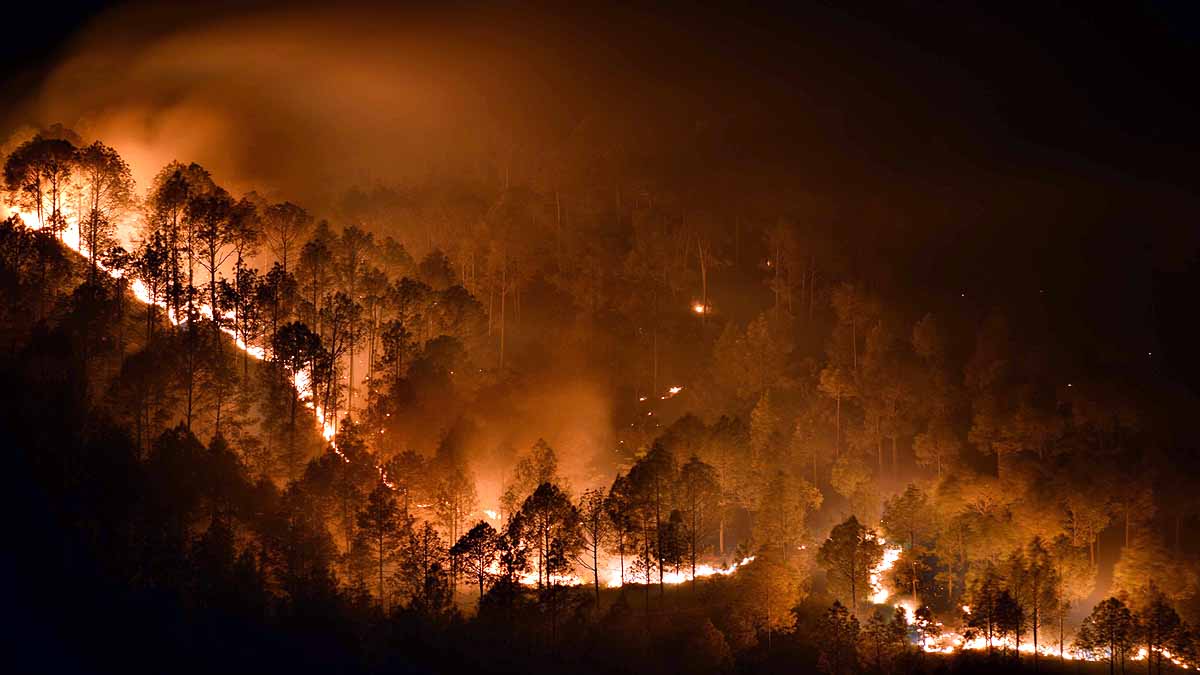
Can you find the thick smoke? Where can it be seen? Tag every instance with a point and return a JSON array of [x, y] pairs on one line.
[[298, 103], [304, 104]]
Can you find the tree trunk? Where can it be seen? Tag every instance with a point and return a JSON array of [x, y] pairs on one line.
[[595, 567], [854, 343], [693, 547], [654, 361], [658, 535], [350, 380], [1036, 620], [853, 591], [879, 451], [191, 376], [812, 284], [503, 296], [1126, 526], [721, 533], [1062, 629], [292, 437], [837, 437], [220, 400], [621, 556], [703, 282], [895, 461]]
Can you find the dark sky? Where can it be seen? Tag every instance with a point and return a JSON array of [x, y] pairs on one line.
[[1111, 86], [1018, 148]]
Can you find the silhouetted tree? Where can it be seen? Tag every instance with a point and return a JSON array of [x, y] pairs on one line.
[[1108, 631], [477, 552], [839, 641], [380, 529], [848, 556]]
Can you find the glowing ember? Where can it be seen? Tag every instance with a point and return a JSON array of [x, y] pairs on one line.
[[671, 393], [610, 574], [700, 308]]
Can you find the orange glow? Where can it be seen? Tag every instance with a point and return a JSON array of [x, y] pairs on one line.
[[948, 640]]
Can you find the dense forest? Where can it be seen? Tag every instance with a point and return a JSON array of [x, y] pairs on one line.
[[609, 422]]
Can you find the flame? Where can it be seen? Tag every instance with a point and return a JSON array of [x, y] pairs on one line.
[[610, 574], [949, 641], [702, 571], [879, 594], [71, 239]]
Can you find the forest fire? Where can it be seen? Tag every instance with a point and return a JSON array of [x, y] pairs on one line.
[[611, 575], [935, 637], [394, 380], [879, 592], [702, 571], [71, 238]]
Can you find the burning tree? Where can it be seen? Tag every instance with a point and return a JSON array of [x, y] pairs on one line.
[[700, 501], [848, 556], [1159, 628], [652, 482], [107, 185], [783, 509], [37, 175], [549, 524], [596, 529], [1109, 631], [296, 348], [886, 636], [283, 225], [539, 465], [1035, 584], [476, 552]]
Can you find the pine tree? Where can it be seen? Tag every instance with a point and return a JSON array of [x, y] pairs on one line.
[[476, 551], [596, 528], [839, 641], [1108, 631], [848, 556], [379, 531], [1158, 627]]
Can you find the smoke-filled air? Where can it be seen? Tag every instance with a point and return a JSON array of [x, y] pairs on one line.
[[539, 338]]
